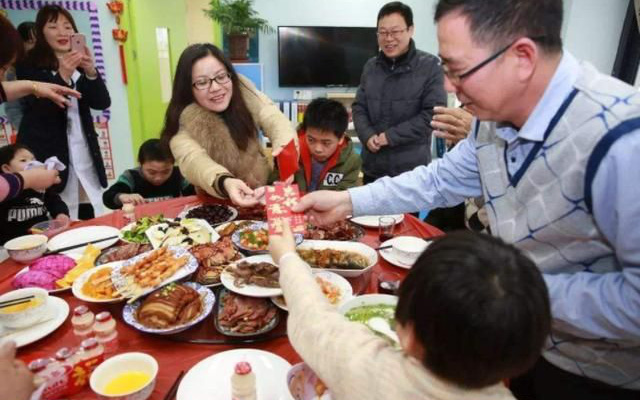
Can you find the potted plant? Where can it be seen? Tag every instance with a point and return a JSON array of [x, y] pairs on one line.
[[239, 22]]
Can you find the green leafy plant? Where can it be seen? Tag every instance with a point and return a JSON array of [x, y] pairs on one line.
[[237, 17]]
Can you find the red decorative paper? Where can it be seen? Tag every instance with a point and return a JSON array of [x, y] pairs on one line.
[[279, 200]]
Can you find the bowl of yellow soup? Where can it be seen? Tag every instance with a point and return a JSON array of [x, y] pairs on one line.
[[127, 376], [25, 249], [24, 313]]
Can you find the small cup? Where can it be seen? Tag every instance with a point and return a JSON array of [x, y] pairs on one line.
[[386, 227]]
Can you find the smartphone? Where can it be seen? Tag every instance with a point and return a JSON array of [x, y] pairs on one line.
[[78, 42]]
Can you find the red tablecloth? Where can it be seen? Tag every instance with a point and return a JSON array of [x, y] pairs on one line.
[[175, 356]]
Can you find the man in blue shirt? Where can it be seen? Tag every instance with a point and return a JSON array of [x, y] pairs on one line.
[[552, 152]]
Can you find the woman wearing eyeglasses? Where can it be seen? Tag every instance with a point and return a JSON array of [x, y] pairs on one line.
[[395, 100], [212, 123]]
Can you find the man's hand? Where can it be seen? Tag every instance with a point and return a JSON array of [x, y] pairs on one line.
[[239, 193], [382, 139], [325, 206], [452, 124], [282, 244], [133, 198], [372, 144], [17, 380], [40, 179]]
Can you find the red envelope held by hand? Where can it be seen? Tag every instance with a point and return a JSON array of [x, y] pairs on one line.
[[279, 200]]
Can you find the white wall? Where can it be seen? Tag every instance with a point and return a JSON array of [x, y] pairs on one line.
[[591, 29]]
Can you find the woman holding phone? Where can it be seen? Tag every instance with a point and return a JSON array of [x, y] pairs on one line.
[[61, 56]]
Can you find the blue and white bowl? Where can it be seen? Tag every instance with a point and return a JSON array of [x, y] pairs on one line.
[[206, 296], [235, 238]]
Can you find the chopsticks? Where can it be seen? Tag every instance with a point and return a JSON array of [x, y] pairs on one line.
[[174, 388], [384, 247], [75, 246], [15, 302]]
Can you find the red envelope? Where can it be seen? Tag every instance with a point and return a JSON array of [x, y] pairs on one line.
[[279, 200], [288, 161]]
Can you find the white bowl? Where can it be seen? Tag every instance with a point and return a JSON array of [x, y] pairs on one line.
[[367, 300], [407, 249], [116, 365], [25, 249], [25, 318], [301, 381]]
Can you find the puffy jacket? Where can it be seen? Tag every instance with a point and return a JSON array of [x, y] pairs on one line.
[[397, 97], [340, 173]]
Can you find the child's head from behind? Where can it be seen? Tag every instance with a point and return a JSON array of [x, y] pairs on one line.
[[325, 122], [156, 162], [14, 158], [474, 310]]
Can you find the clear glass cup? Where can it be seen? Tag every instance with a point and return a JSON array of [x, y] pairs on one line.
[[386, 227]]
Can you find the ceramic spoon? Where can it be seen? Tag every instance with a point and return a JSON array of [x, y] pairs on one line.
[[381, 325]]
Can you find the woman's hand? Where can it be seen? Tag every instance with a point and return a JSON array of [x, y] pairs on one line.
[[452, 124], [282, 244], [68, 64], [40, 179], [133, 198], [87, 64], [239, 193], [64, 218], [55, 93]]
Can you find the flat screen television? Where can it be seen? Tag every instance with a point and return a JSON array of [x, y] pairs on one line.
[[323, 56]]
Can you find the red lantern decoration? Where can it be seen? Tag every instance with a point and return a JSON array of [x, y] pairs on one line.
[[120, 35]]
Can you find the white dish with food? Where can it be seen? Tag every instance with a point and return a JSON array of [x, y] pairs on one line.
[[82, 235], [27, 248], [78, 284], [55, 314], [304, 384], [51, 278], [369, 256], [210, 379], [404, 250], [124, 283], [371, 221], [251, 290], [186, 232], [30, 310], [199, 211], [109, 382], [134, 232], [336, 289]]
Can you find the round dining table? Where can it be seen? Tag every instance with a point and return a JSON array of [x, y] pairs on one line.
[[173, 355]]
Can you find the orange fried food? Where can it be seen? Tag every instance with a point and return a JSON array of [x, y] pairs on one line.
[[99, 285]]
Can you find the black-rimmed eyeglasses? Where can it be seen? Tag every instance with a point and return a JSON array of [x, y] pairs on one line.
[[205, 83]]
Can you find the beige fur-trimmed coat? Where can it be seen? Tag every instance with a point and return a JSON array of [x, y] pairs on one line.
[[205, 151]]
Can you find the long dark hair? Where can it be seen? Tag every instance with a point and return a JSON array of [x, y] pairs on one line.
[[237, 116], [11, 46], [42, 55]]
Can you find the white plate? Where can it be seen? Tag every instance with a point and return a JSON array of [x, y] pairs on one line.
[[155, 241], [234, 212], [371, 221], [355, 247], [206, 296], [129, 226], [120, 282], [346, 290], [84, 234], [388, 255], [76, 288], [250, 290], [210, 379], [235, 237], [55, 306], [25, 269], [245, 222]]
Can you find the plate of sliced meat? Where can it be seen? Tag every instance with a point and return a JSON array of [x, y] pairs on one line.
[[243, 316], [121, 253], [255, 276], [170, 309]]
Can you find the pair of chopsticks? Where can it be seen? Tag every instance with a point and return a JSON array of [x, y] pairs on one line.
[[174, 388], [15, 302], [75, 246], [384, 247]]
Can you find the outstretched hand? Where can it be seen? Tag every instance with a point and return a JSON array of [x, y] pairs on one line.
[[56, 93], [325, 206], [282, 244], [240, 193], [17, 380]]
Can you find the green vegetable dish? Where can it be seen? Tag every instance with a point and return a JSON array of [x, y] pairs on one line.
[[136, 233], [363, 314]]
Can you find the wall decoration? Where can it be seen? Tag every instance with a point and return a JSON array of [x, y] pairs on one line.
[[120, 35]]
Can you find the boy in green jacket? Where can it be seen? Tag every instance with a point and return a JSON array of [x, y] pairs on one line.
[[328, 160]]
